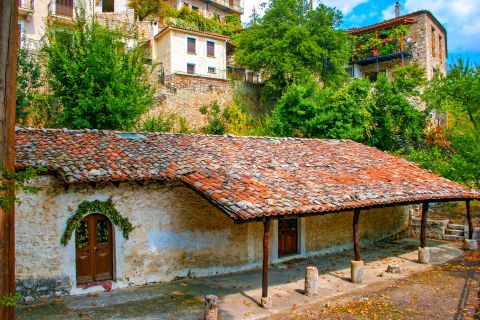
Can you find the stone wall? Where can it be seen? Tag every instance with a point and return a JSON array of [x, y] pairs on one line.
[[185, 94], [177, 234], [330, 232]]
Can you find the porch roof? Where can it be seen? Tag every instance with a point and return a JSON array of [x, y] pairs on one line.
[[247, 177]]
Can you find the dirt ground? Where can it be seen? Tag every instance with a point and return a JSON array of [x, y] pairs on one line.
[[449, 291]]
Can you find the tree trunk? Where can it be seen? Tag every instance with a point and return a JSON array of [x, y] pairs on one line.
[[8, 84]]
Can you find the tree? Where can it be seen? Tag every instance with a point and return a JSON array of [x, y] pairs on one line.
[[309, 111], [100, 82], [454, 153], [291, 43], [146, 8], [28, 82]]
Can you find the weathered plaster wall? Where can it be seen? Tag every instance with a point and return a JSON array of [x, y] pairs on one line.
[[332, 231], [177, 233]]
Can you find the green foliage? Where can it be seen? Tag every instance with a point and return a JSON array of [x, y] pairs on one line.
[[163, 122], [381, 115], [456, 154], [215, 123], [147, 8], [13, 182], [103, 207], [28, 82], [291, 44], [396, 122], [10, 300], [99, 81], [193, 19], [308, 111]]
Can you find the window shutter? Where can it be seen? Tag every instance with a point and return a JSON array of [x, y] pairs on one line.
[[190, 68], [210, 48], [190, 45]]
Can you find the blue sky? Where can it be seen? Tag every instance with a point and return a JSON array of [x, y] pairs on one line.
[[461, 18]]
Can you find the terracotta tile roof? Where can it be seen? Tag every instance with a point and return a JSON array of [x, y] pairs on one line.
[[188, 30], [247, 177], [405, 19]]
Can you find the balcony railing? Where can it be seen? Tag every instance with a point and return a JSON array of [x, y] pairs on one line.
[[58, 9], [234, 5], [26, 4]]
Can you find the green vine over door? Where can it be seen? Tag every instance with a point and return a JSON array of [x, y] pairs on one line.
[[103, 207]]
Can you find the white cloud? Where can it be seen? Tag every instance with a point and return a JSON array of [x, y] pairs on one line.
[[460, 18], [346, 6]]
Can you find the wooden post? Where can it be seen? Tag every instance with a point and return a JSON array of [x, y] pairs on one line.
[[469, 220], [266, 302], [423, 226], [356, 235], [8, 84]]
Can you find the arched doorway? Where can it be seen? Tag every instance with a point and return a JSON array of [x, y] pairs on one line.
[[94, 249]]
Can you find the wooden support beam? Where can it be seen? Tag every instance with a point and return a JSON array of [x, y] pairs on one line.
[[423, 226], [356, 234], [469, 220], [266, 238]]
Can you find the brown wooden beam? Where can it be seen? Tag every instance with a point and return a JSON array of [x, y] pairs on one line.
[[266, 237], [423, 226], [469, 220], [356, 235]]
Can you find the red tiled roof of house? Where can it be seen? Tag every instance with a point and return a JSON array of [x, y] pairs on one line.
[[247, 177], [188, 30], [405, 19]]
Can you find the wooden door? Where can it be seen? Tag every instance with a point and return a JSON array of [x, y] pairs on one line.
[[287, 237], [94, 249]]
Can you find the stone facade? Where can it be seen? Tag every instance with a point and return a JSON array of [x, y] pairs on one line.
[[183, 95], [176, 234], [428, 48]]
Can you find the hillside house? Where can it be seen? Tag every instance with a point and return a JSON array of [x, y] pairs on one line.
[[416, 36], [122, 209], [189, 52]]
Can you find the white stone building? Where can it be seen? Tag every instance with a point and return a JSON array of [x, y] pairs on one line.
[[191, 52], [118, 209]]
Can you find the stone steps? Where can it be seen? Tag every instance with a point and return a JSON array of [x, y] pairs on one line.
[[455, 226], [452, 237], [455, 232]]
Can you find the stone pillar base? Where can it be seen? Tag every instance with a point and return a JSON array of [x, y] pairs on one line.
[[311, 281], [424, 255], [211, 307], [470, 244], [266, 302], [356, 268]]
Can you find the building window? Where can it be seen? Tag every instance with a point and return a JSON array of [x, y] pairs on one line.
[[191, 45], [440, 49], [194, 8], [434, 41], [190, 68], [212, 70], [210, 48]]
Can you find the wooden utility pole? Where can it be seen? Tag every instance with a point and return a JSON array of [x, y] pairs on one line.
[[8, 85]]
